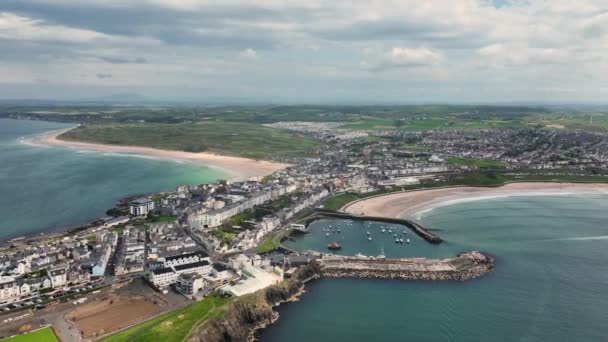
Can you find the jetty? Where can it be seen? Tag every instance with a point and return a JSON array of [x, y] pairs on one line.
[[464, 266], [416, 227]]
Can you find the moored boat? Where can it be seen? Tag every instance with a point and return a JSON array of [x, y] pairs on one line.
[[334, 246]]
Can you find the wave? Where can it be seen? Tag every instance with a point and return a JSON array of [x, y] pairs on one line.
[[425, 210], [585, 238]]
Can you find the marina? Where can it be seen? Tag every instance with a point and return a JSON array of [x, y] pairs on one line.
[[368, 238]]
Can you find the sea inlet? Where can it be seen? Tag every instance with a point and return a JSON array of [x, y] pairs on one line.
[[550, 282], [48, 188]]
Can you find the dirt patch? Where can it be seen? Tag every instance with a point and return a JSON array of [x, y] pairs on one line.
[[25, 327], [555, 126], [112, 313]]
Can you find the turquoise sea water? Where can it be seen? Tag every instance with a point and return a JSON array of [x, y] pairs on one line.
[[550, 281], [46, 188]]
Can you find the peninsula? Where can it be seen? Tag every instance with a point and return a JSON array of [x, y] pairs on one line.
[[237, 167]]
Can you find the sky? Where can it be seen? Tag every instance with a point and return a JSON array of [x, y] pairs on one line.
[[306, 51]]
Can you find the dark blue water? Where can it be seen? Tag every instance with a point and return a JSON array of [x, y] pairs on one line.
[[550, 281]]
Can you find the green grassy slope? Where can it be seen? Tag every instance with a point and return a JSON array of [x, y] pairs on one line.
[[40, 335], [229, 138]]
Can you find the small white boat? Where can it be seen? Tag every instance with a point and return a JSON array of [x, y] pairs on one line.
[[369, 238], [326, 234], [383, 230], [408, 240], [401, 240], [368, 233], [396, 240]]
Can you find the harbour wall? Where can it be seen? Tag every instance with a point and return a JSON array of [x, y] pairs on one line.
[[465, 266]]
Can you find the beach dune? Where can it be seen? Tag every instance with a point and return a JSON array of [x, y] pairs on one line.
[[237, 168], [408, 204]]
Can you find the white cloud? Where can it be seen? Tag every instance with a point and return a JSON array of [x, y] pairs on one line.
[[248, 54], [399, 56], [457, 42], [15, 27]]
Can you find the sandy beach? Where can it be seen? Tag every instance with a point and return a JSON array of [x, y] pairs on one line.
[[236, 167], [408, 204]]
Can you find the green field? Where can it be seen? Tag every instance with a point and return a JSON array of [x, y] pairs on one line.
[[40, 335], [337, 202], [174, 326], [229, 138], [473, 162], [272, 242]]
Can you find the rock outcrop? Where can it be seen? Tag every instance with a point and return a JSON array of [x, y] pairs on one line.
[[249, 313]]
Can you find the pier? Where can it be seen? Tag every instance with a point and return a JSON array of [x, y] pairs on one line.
[[465, 266], [416, 227]]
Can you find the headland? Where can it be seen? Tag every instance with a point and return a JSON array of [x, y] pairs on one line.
[[237, 168]]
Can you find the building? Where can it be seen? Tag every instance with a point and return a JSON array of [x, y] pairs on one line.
[[9, 289], [190, 284], [168, 275], [59, 277], [183, 259], [253, 279], [141, 206]]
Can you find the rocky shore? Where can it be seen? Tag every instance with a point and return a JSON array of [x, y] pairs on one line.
[[465, 266], [249, 313]]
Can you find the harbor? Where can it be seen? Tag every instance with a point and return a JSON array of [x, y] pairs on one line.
[[464, 266], [350, 237]]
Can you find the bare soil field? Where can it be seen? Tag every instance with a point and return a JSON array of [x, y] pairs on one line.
[[112, 313]]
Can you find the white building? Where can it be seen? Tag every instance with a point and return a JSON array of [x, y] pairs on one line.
[[59, 277], [141, 206], [190, 284], [183, 259], [168, 275]]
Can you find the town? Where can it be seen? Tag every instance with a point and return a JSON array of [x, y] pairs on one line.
[[225, 237]]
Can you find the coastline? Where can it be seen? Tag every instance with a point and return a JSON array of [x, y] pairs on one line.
[[238, 168], [411, 204]]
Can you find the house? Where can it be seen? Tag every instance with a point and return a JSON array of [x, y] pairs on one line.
[[141, 206], [58, 276], [9, 289], [190, 284]]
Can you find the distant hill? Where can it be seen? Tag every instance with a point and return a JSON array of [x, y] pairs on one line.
[[123, 97]]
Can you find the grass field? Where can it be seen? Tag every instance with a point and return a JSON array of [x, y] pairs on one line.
[[40, 335], [473, 162], [174, 326], [336, 202], [272, 242], [229, 138]]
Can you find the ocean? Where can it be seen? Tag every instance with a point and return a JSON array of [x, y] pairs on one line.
[[550, 281], [51, 188]]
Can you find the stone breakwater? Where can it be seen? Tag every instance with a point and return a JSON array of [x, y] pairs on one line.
[[465, 266]]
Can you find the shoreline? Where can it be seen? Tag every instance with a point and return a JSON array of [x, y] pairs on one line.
[[412, 204], [237, 168]]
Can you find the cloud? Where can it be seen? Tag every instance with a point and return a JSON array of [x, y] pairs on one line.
[[403, 57], [121, 60], [312, 45], [15, 27], [248, 54], [104, 75]]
